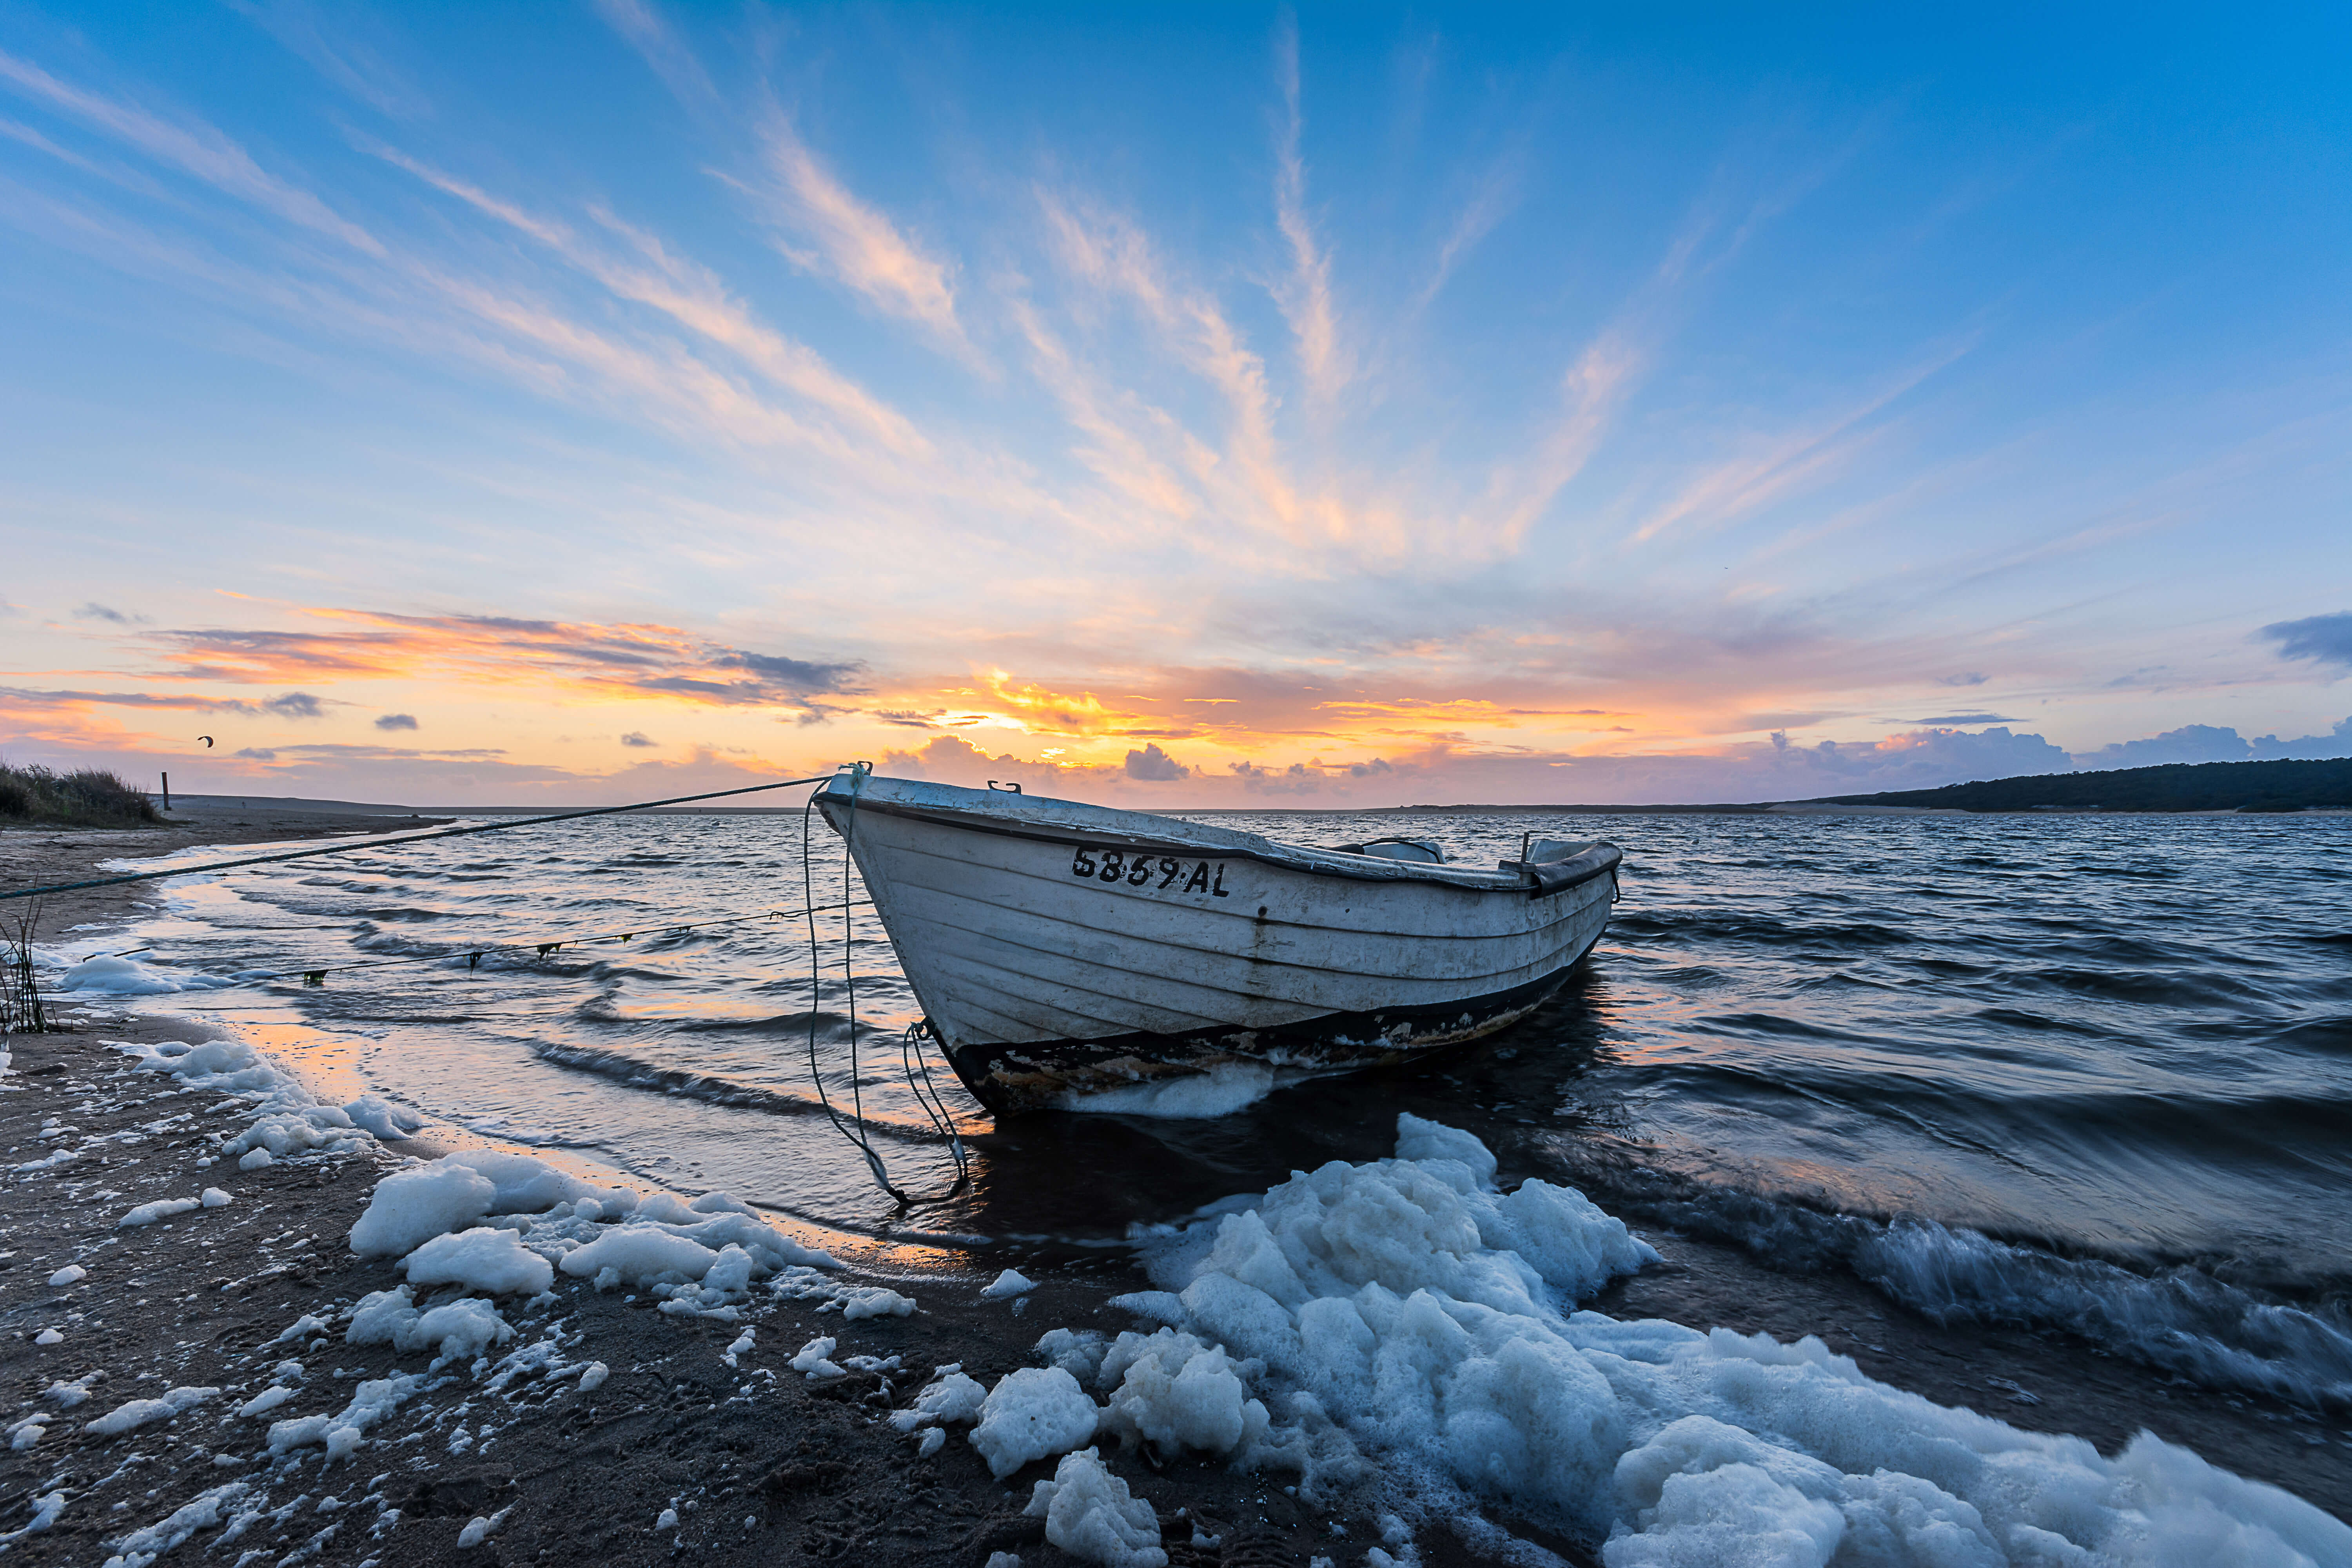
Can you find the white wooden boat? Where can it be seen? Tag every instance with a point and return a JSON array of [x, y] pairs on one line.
[[1060, 949]]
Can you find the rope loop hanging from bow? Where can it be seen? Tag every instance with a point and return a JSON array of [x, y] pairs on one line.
[[926, 1094]]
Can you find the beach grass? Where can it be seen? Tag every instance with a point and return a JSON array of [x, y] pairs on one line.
[[89, 798], [23, 1009]]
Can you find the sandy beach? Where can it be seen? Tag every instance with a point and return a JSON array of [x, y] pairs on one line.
[[690, 1441]]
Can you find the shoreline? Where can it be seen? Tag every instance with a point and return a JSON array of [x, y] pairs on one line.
[[760, 1463], [37, 854], [550, 1445]]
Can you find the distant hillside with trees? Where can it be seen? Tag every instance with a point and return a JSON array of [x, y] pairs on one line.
[[2270, 786]]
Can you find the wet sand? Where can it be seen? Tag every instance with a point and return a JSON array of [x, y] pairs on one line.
[[762, 1465]]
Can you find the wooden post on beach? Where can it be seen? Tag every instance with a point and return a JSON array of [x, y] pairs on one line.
[[167, 792]]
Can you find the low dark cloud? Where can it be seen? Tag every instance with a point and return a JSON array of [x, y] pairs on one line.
[[396, 721], [2337, 742], [638, 738], [295, 705], [2325, 638], [94, 611], [1777, 770], [1153, 765], [2218, 743], [951, 759], [767, 680], [803, 677], [2190, 743], [1295, 779], [1967, 678]]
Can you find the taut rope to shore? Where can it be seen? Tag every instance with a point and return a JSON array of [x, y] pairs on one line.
[[345, 849]]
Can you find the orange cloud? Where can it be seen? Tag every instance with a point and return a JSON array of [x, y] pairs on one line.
[[641, 659]]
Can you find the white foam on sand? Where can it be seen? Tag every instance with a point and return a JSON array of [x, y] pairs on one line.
[[1090, 1514], [494, 1262], [139, 1412], [340, 1433], [1031, 1413], [143, 1546], [1432, 1315], [954, 1398], [110, 976], [1011, 1282], [287, 1121]]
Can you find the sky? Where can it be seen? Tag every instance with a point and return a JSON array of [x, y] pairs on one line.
[[1202, 404]]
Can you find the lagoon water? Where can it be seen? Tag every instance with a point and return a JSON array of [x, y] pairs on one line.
[[2084, 1072]]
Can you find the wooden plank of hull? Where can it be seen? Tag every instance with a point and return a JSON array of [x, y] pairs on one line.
[[1043, 977]]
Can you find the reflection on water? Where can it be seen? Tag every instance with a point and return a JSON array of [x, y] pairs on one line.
[[2123, 1039]]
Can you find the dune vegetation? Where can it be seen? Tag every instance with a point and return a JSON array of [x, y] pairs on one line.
[[89, 798]]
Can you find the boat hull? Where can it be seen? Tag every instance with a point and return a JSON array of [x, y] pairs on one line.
[[1010, 1078], [1060, 950]]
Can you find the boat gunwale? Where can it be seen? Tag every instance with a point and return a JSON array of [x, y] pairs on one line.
[[1214, 843]]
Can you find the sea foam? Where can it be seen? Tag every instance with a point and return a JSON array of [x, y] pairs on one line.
[[1432, 1315]]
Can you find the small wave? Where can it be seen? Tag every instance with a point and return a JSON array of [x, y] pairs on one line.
[[830, 1025], [2330, 1037], [2133, 873], [2174, 988], [1761, 928], [1751, 1024], [2124, 950], [1950, 967], [832, 1028], [2182, 1318], [710, 1088], [2018, 1018]]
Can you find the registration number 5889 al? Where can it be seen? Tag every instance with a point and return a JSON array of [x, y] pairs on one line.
[[1158, 873]]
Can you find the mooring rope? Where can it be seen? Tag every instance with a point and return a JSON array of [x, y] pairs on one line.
[[911, 1056], [816, 995], [433, 837], [545, 944], [926, 1094], [849, 982]]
